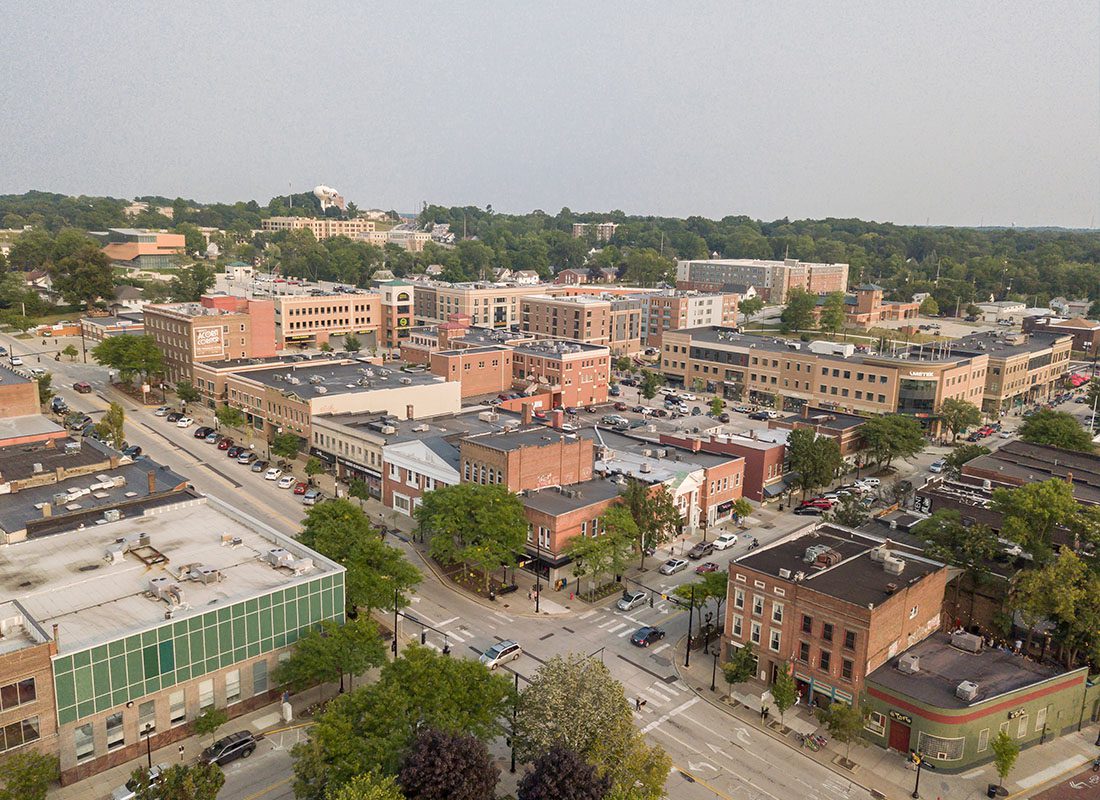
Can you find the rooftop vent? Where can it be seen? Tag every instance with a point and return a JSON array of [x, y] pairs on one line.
[[830, 558], [967, 690], [644, 467], [893, 565], [969, 642], [880, 553], [813, 551], [112, 515], [36, 468], [204, 573], [279, 557], [909, 664], [784, 573]]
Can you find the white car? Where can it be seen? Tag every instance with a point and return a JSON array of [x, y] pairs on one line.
[[37, 372], [129, 790], [501, 652], [938, 465], [870, 483], [184, 422], [286, 482], [724, 540], [16, 361], [688, 396], [273, 474]]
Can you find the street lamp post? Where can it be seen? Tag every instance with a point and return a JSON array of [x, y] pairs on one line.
[[148, 744], [691, 609], [706, 639], [919, 759], [714, 669], [515, 703]]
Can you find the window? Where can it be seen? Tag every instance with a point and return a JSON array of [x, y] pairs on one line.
[[773, 644], [232, 686], [259, 678], [846, 669], [826, 661], [84, 742], [939, 748], [827, 631], [147, 718], [807, 624], [849, 640], [1003, 728], [739, 598], [754, 633], [206, 694], [177, 708], [116, 737], [757, 605], [804, 652], [876, 723], [777, 612], [1021, 727], [1040, 719], [15, 694], [983, 740], [737, 631]]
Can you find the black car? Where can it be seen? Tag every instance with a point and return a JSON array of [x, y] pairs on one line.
[[133, 451], [809, 511], [202, 432], [236, 745], [700, 550], [759, 415], [644, 637], [174, 417], [723, 417], [234, 451]]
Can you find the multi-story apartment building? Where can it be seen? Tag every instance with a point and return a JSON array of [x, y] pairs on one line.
[[218, 328], [1023, 368], [778, 372], [771, 279], [143, 249], [675, 309], [831, 605], [480, 370], [397, 311], [322, 227], [531, 459], [574, 374], [608, 320], [603, 231], [311, 320], [488, 305]]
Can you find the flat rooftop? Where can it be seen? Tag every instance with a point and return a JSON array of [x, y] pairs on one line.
[[995, 344], [823, 417], [8, 376], [508, 441], [758, 262], [856, 579], [943, 668], [571, 498], [192, 310], [66, 579], [27, 425], [555, 347], [18, 462], [305, 379], [1025, 462]]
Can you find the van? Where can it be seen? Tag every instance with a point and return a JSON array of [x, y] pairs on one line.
[[311, 497]]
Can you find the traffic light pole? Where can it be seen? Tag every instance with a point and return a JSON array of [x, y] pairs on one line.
[[691, 610]]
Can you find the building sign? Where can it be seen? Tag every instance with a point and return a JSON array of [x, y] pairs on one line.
[[403, 322], [905, 719], [208, 342], [1019, 712], [920, 374], [725, 508]]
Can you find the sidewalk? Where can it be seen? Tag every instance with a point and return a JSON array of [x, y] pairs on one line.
[[886, 774]]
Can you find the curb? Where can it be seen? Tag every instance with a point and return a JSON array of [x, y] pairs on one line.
[[783, 739]]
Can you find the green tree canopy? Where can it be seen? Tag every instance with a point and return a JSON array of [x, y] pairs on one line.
[[45, 387], [845, 723], [832, 313], [751, 306], [210, 721], [286, 445], [741, 666], [199, 781], [27, 775], [815, 459], [230, 416], [186, 391], [1005, 752], [784, 692], [799, 313], [654, 512], [84, 276], [607, 552], [329, 652], [131, 356], [191, 283], [651, 382], [892, 436], [352, 343], [562, 774], [1032, 512], [929, 307], [112, 426], [371, 786], [1056, 428], [849, 512], [476, 525], [957, 415], [963, 454]]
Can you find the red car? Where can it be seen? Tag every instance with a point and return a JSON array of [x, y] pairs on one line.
[[819, 502], [300, 487], [705, 567], [985, 430], [225, 443], [621, 406]]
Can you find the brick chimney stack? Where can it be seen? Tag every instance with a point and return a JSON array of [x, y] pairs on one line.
[[151, 477], [528, 414]]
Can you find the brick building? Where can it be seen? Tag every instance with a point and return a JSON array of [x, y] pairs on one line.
[[574, 374], [480, 370], [321, 227], [312, 320], [831, 606], [608, 320], [675, 309], [764, 460], [864, 308], [1085, 332], [531, 459], [28, 716], [772, 279], [18, 395], [842, 428]]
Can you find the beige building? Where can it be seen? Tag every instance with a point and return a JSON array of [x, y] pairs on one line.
[[1023, 368], [674, 309], [322, 227], [488, 305], [608, 320], [311, 320], [413, 241], [772, 279], [603, 230]]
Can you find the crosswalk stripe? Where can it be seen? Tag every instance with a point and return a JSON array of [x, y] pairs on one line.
[[616, 627], [668, 687], [662, 647], [627, 632], [587, 614], [456, 636], [664, 697], [606, 624]]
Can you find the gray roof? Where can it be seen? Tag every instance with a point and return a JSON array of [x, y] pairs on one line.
[[1028, 462], [8, 375], [540, 436], [571, 498], [826, 418], [13, 427], [337, 378], [992, 343], [943, 667]]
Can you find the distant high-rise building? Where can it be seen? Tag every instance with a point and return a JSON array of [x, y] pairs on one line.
[[772, 279]]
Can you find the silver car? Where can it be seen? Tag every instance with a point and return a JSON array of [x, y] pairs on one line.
[[673, 565], [501, 652], [631, 600], [129, 790]]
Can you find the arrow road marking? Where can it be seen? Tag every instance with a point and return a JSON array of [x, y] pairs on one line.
[[695, 766]]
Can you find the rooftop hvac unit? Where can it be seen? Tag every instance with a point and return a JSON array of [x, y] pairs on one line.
[[799, 576], [36, 468], [644, 468], [967, 690], [11, 625], [784, 573], [813, 551], [647, 453], [405, 381], [909, 664], [322, 390], [292, 379], [316, 379], [203, 573], [115, 553], [112, 515], [967, 641], [830, 558], [880, 553], [300, 566], [662, 453], [487, 416], [893, 565], [388, 430], [278, 557]]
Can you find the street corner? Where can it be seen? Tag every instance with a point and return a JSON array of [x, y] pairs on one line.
[[1085, 785]]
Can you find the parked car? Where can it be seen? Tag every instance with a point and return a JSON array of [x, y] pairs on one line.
[[312, 497], [759, 415], [705, 567], [212, 437], [672, 566], [16, 361], [225, 443], [809, 511], [871, 483], [82, 387], [241, 744], [202, 431], [974, 437], [259, 465], [273, 474], [245, 457], [234, 451], [614, 419], [301, 487], [133, 451], [501, 652], [724, 540], [59, 406], [184, 422], [741, 409], [938, 465], [614, 391], [173, 417], [286, 482], [818, 502], [128, 791], [644, 637], [37, 372], [700, 549], [724, 417], [621, 406], [631, 600]]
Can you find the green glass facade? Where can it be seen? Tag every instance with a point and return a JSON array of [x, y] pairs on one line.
[[111, 674]]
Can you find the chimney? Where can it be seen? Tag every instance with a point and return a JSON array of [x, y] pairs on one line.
[[528, 414], [558, 418], [56, 641], [409, 412], [47, 510], [152, 478]]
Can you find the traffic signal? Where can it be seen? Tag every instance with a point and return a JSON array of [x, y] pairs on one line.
[[423, 637]]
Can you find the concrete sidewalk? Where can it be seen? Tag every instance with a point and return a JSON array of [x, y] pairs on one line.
[[886, 773]]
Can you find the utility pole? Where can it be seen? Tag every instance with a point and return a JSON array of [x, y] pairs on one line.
[[515, 704], [691, 609], [538, 573], [394, 646]]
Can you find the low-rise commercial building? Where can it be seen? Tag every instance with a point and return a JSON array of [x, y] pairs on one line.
[[96, 329], [573, 374], [612, 321], [479, 370], [772, 279], [1085, 332], [864, 308], [764, 461], [488, 305], [1018, 463], [143, 249], [312, 320], [1023, 368], [18, 394], [842, 428]]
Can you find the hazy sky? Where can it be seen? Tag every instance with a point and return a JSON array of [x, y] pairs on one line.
[[951, 112]]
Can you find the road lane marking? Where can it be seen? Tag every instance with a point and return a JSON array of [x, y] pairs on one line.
[[680, 709], [662, 647], [617, 627], [587, 614], [447, 622], [456, 636]]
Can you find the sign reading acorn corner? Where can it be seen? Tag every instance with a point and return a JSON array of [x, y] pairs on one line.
[[902, 718], [208, 342]]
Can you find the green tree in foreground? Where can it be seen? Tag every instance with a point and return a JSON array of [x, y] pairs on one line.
[[750, 307], [929, 307], [314, 467], [45, 388], [186, 391], [285, 445], [892, 436], [371, 786], [230, 416], [131, 356], [784, 692], [27, 775], [716, 406], [180, 782], [448, 766], [561, 774], [958, 415], [1005, 753], [352, 343], [1033, 511], [651, 382], [1056, 428], [654, 512], [799, 313], [832, 313], [960, 455], [112, 427], [741, 666], [742, 509], [329, 652], [209, 721], [845, 723]]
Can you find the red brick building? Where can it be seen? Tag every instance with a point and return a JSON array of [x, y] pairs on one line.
[[831, 605], [762, 460], [480, 370], [533, 459], [574, 374]]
